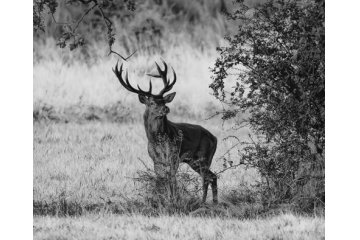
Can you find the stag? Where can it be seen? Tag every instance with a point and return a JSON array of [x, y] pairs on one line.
[[197, 146]]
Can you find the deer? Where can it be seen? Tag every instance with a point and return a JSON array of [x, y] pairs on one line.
[[198, 145]]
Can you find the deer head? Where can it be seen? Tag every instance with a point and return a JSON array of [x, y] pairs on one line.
[[155, 103]]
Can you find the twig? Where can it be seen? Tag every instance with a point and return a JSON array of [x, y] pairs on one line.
[[241, 124], [232, 136], [58, 23], [228, 150], [82, 17], [211, 116], [252, 140], [109, 24], [233, 166], [125, 59], [147, 168], [87, 1]]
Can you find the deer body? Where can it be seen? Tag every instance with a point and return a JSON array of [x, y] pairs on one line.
[[197, 146]]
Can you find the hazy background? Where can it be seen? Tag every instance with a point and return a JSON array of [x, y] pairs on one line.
[[79, 84]]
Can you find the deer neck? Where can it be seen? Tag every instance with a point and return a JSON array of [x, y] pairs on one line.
[[155, 126]]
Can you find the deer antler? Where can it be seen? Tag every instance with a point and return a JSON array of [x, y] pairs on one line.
[[127, 85], [163, 75]]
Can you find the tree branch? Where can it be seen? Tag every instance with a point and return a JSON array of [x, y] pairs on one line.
[[58, 23], [70, 28], [82, 17], [125, 59], [108, 25], [225, 169]]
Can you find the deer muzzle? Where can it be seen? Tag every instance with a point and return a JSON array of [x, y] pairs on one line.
[[165, 110]]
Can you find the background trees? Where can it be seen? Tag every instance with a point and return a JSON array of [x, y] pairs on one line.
[[278, 59], [150, 24]]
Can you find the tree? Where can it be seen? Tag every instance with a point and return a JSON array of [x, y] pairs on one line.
[[70, 36], [278, 58]]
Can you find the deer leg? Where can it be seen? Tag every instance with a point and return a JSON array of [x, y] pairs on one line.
[[205, 189], [214, 187], [203, 171], [210, 177]]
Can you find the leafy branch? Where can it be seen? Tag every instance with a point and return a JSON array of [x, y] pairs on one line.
[[70, 35]]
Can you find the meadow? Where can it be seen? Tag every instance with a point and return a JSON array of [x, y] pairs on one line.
[[90, 147], [88, 165]]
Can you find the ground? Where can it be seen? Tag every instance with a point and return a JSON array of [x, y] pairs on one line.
[[179, 227]]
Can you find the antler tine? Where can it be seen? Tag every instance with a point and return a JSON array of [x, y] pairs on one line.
[[150, 88], [174, 81], [126, 84], [118, 74], [168, 86], [163, 75]]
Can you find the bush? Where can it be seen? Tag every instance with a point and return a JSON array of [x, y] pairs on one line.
[[278, 59]]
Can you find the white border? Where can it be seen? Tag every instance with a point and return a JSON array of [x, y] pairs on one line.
[[342, 120], [16, 120]]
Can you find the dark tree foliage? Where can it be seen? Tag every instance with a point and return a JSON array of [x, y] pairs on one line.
[[278, 59], [70, 36]]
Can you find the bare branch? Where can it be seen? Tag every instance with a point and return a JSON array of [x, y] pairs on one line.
[[225, 169], [107, 21], [213, 115], [58, 23], [87, 1], [125, 59], [231, 148], [108, 25], [82, 17]]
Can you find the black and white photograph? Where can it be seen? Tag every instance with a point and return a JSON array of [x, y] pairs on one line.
[[178, 119]]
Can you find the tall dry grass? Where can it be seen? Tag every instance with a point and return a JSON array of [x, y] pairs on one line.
[[62, 81]]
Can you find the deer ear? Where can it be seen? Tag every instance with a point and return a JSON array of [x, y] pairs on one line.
[[142, 99], [168, 98]]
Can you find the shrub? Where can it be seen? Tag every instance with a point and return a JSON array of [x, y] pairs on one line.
[[278, 59]]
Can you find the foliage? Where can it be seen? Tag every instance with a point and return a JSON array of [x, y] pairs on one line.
[[69, 29], [278, 58], [39, 7]]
